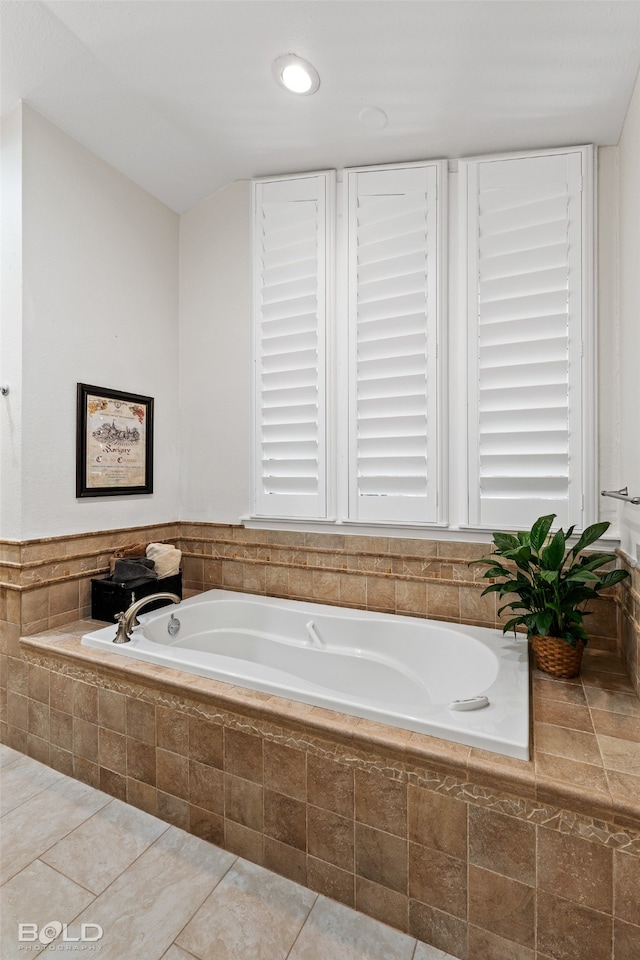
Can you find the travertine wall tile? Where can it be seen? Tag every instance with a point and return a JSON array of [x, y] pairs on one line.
[[381, 802], [330, 785], [206, 824], [285, 819], [111, 706], [381, 903], [626, 937], [575, 869], [286, 860], [330, 881], [570, 930], [382, 858], [438, 821], [331, 838], [443, 930], [285, 770], [502, 844], [438, 880], [244, 802], [244, 842], [112, 751], [243, 755], [502, 906]]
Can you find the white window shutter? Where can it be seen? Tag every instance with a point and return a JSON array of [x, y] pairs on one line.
[[394, 240], [525, 310], [292, 237]]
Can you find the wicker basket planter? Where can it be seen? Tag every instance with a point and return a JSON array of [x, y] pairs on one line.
[[557, 657]]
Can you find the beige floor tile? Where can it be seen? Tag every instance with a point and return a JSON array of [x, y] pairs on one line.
[[37, 895], [30, 829], [98, 851], [335, 932], [23, 779], [177, 953], [143, 911], [252, 913], [8, 755]]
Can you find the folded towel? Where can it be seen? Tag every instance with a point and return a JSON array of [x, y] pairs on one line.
[[135, 550], [166, 558], [134, 568]]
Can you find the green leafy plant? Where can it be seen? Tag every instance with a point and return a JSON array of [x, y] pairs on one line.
[[552, 583]]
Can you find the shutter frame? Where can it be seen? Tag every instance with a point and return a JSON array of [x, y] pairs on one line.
[[561, 474], [292, 254], [395, 254]]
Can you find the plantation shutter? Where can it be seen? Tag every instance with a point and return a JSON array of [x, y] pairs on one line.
[[525, 339], [291, 239], [393, 249]]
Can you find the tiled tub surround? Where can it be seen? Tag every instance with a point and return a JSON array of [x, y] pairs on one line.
[[47, 582], [485, 857]]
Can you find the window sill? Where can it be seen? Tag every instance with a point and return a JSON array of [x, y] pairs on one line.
[[461, 534]]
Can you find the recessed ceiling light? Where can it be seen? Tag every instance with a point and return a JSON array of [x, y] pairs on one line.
[[296, 74]]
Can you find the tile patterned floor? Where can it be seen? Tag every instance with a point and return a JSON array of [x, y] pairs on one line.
[[72, 855]]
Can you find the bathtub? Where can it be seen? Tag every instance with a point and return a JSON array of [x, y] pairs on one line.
[[461, 683]]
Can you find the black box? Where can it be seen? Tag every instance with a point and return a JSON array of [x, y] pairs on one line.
[[108, 599]]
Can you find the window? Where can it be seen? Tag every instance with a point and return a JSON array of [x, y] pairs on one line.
[[393, 285], [292, 238], [527, 309], [350, 418]]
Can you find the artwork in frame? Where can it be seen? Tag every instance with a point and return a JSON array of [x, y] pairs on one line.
[[114, 444]]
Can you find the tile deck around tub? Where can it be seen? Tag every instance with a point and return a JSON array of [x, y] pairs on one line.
[[585, 731], [73, 855]]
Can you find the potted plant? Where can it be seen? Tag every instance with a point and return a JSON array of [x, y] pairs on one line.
[[550, 584]]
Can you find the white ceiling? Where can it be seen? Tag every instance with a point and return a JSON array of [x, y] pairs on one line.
[[179, 94]]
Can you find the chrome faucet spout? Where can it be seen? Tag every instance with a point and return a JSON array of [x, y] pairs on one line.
[[127, 619]]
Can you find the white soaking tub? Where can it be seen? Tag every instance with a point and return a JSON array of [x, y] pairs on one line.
[[420, 675]]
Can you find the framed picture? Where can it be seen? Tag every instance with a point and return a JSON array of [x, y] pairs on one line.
[[114, 443]]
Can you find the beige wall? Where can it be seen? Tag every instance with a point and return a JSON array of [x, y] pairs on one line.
[[215, 351], [100, 306], [11, 324]]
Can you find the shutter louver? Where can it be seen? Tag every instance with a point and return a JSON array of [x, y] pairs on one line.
[[393, 269], [290, 234], [525, 340]]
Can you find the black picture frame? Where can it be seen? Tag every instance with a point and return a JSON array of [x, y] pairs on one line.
[[114, 442]]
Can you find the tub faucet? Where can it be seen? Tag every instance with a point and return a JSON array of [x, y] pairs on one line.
[[127, 619]]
